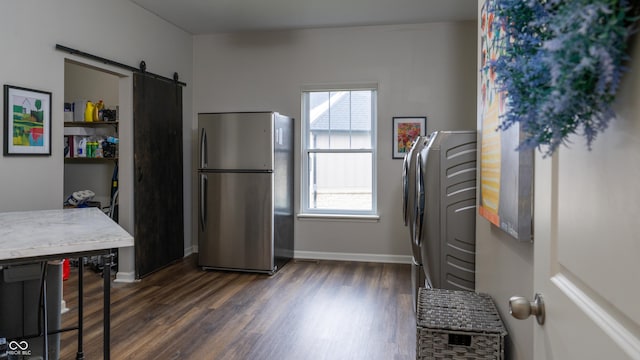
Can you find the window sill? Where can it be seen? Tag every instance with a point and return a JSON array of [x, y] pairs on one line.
[[339, 217]]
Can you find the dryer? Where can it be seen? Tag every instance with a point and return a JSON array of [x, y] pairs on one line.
[[445, 209]]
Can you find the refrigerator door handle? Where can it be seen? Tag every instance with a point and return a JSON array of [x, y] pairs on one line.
[[203, 149], [203, 202]]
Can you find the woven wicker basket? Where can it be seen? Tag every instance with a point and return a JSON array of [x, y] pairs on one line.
[[458, 325]]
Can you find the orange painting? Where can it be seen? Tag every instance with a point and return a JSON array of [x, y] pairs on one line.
[[506, 175]]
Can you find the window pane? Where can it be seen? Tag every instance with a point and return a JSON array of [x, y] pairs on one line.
[[340, 119], [340, 181]]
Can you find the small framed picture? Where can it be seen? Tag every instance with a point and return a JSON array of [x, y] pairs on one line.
[[27, 121], [405, 132]]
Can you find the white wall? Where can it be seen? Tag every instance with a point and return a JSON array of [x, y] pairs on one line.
[[423, 69], [115, 29], [504, 268], [82, 82]]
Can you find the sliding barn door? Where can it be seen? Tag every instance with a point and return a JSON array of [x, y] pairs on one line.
[[157, 123]]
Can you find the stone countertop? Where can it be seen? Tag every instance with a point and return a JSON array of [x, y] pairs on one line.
[[47, 233]]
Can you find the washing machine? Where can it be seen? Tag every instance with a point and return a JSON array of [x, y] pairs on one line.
[[408, 212]]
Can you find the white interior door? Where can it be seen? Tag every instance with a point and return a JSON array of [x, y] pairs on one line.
[[587, 247]]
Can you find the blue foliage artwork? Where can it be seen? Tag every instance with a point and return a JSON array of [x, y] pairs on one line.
[[561, 65]]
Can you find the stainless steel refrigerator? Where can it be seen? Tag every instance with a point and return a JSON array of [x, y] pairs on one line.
[[245, 210]]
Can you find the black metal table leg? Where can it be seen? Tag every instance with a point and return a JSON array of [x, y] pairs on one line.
[[106, 274], [45, 314], [80, 353]]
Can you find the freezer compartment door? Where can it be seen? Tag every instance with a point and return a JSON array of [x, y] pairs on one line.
[[236, 221], [236, 141]]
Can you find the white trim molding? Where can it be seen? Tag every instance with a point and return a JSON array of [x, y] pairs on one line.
[[379, 258], [125, 277]]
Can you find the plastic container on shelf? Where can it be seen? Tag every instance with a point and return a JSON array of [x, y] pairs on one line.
[[98, 152], [96, 110], [81, 149], [88, 111]]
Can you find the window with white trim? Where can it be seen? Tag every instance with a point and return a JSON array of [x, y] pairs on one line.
[[339, 151]]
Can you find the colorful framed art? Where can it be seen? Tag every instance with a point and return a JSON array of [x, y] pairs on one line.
[[405, 131], [27, 121]]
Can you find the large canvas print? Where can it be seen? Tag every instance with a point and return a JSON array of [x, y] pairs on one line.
[[506, 175]]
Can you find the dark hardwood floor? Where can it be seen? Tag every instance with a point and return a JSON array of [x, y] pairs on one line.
[[308, 310]]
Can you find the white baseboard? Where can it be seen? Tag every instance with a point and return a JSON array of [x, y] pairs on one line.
[[188, 251], [63, 307], [320, 255], [130, 277], [125, 277], [323, 255]]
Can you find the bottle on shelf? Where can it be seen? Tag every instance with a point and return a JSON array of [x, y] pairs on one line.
[[98, 151], [97, 110], [88, 111], [90, 148], [81, 150]]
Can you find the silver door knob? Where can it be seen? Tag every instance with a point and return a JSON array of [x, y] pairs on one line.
[[521, 308]]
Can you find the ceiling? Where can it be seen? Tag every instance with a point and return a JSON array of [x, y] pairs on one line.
[[211, 16]]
